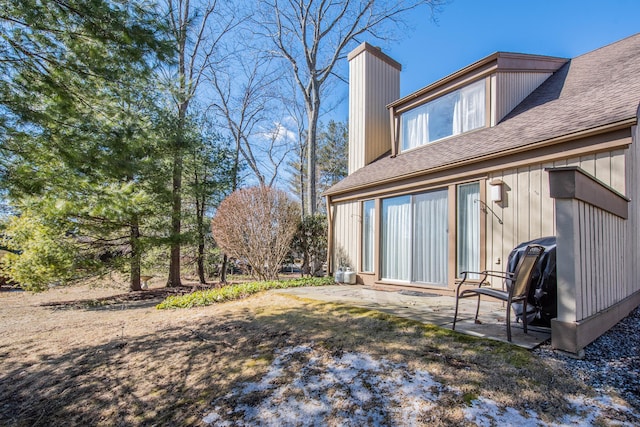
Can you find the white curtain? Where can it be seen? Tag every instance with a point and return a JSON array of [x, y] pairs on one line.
[[415, 127], [368, 230], [396, 240], [430, 237], [468, 228], [468, 113]]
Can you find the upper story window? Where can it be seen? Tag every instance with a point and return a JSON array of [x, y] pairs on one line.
[[456, 112]]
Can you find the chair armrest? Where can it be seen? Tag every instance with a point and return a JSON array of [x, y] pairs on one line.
[[504, 275], [465, 276], [497, 273]]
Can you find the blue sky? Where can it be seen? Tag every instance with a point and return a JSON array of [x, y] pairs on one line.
[[469, 30]]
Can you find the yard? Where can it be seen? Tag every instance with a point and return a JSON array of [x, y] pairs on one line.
[[269, 359]]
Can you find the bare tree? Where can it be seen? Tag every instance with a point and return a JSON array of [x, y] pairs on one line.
[[312, 36], [197, 28], [257, 225], [246, 88], [296, 111]]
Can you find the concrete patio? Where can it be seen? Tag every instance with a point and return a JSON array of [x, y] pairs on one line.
[[429, 308]]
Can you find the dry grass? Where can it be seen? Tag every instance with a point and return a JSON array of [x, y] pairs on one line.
[[130, 364]]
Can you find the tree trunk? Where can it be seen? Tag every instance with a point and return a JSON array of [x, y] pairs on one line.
[[313, 109], [223, 270], [302, 192], [176, 216], [311, 165], [135, 257], [200, 219]]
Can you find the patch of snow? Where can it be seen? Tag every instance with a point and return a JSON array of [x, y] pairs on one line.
[[485, 413], [356, 389]]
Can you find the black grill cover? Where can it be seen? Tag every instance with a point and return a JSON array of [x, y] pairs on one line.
[[542, 302]]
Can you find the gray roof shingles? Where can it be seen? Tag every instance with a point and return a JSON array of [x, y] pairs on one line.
[[593, 90]]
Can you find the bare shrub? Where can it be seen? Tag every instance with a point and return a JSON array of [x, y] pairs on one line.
[[257, 225]]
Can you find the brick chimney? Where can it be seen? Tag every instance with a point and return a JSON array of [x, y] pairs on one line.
[[374, 82]]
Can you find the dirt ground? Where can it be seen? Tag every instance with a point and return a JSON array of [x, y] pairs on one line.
[[68, 357]]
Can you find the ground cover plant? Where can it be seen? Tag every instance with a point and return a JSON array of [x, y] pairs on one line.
[[263, 359], [237, 291]]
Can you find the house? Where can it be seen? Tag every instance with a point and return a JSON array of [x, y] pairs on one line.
[[511, 148]]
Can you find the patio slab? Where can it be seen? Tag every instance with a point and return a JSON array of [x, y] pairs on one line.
[[429, 308]]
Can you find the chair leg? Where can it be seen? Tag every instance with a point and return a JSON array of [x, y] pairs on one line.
[[509, 321], [477, 310], [455, 314], [524, 315]]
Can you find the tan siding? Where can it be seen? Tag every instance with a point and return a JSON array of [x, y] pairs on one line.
[[383, 88], [523, 200], [547, 211], [602, 240], [618, 171], [346, 225], [528, 211], [513, 88], [494, 99], [588, 164], [632, 251], [356, 117], [603, 167], [373, 83]]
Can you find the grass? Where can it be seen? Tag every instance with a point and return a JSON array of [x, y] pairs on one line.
[[131, 364], [237, 291]]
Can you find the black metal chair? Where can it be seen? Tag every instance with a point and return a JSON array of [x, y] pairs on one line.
[[517, 284]]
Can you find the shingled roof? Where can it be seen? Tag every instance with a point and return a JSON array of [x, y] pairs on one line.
[[598, 89]]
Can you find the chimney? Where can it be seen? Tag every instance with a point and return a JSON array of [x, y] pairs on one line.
[[374, 82]]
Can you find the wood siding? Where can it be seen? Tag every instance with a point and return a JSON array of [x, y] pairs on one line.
[[596, 253], [346, 226], [633, 193], [510, 89], [373, 83], [601, 265], [528, 211]]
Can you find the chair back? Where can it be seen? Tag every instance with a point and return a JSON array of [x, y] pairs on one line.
[[524, 271]]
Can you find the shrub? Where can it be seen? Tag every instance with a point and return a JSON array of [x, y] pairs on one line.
[[256, 225], [310, 241]]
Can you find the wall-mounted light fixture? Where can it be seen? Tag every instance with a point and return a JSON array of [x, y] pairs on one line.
[[496, 190]]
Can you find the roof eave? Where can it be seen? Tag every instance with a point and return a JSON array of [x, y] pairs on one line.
[[610, 127], [498, 61]]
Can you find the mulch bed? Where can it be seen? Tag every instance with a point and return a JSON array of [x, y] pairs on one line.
[[129, 297]]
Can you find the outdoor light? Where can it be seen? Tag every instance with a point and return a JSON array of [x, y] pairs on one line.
[[496, 190]]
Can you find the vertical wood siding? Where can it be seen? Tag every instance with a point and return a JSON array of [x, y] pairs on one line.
[[346, 223], [357, 117], [383, 88], [632, 251], [601, 265], [528, 211], [512, 89], [373, 84]]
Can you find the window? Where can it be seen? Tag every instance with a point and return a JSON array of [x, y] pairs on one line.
[[459, 111], [468, 224], [415, 238], [368, 233]]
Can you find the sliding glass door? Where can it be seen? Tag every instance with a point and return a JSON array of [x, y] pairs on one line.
[[430, 238], [415, 238], [396, 238]]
